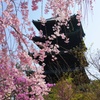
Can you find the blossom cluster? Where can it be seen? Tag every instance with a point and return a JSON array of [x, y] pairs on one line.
[[26, 81], [64, 8], [17, 81]]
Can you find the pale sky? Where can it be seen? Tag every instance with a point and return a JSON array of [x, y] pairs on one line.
[[92, 27], [92, 31]]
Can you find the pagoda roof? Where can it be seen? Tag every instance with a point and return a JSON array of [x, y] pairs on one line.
[[48, 27]]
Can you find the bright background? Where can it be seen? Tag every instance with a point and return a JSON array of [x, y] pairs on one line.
[[92, 38], [92, 27]]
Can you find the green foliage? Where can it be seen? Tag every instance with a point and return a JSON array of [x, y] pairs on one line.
[[78, 96], [75, 85], [78, 77], [78, 52], [62, 91], [83, 96], [66, 90]]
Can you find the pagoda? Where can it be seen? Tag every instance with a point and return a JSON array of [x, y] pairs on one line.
[[70, 57]]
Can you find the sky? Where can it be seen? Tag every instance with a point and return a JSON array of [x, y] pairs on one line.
[[91, 26], [92, 31]]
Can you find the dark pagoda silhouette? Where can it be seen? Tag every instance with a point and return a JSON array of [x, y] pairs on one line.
[[70, 58]]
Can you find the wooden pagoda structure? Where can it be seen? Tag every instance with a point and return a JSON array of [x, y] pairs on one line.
[[67, 59]]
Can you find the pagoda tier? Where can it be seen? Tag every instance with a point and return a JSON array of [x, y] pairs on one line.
[[75, 33], [66, 59], [74, 40], [48, 27], [66, 62]]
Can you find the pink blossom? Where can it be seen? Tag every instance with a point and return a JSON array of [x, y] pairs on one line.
[[78, 24], [67, 40], [34, 4], [1, 37], [24, 5], [19, 80], [25, 58], [35, 7], [57, 33], [15, 45], [50, 85], [53, 36], [43, 21], [22, 96], [63, 36]]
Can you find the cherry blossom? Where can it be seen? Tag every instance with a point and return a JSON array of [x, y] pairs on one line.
[[43, 21], [63, 36], [19, 77]]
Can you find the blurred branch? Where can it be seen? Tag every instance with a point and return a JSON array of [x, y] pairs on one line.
[[92, 74]]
